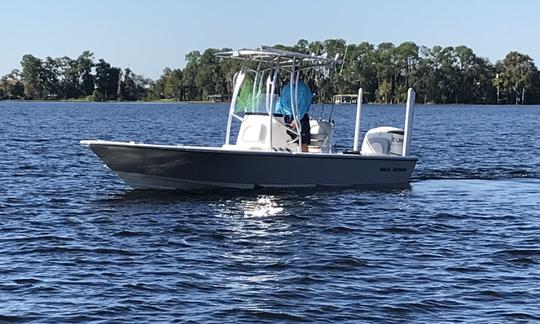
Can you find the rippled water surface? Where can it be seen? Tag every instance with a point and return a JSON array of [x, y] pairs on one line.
[[76, 244]]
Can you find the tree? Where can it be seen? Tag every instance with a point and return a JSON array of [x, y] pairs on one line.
[[128, 88], [302, 46], [85, 63], [406, 58], [155, 92], [517, 75], [173, 87], [32, 73], [169, 85], [384, 63], [11, 86], [422, 78], [360, 71], [107, 80], [69, 78], [209, 78], [50, 77], [191, 90]]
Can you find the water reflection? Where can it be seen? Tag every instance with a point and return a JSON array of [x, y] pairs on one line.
[[258, 202]]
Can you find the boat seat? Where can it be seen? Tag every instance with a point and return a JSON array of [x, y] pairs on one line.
[[319, 133]]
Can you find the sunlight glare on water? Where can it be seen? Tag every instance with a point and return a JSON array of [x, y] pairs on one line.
[[263, 206]]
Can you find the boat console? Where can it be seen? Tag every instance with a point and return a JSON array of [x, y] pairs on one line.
[[254, 135]]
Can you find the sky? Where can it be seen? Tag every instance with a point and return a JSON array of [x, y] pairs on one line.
[[148, 36]]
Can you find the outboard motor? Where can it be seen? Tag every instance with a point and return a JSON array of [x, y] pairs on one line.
[[383, 141]]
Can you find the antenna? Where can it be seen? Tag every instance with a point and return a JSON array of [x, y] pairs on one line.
[[344, 56]]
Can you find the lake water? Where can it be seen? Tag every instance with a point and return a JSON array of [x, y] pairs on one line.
[[76, 244]]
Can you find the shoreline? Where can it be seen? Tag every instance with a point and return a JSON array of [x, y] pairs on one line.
[[109, 101], [166, 101]]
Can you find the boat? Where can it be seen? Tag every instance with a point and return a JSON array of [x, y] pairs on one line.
[[267, 152]]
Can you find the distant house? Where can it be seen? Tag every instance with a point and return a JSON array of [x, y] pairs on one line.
[[345, 98], [219, 98]]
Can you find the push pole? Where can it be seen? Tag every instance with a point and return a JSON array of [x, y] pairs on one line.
[[357, 125], [411, 98]]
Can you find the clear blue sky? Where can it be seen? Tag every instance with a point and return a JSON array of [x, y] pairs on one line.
[[150, 35]]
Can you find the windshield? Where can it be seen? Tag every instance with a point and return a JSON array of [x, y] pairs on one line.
[[252, 95]]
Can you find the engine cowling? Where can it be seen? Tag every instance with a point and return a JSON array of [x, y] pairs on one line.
[[383, 141]]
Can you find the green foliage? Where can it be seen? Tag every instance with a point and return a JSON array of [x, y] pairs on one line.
[[108, 80], [11, 86], [517, 74], [210, 78], [84, 65], [133, 86], [67, 78], [33, 76], [384, 71]]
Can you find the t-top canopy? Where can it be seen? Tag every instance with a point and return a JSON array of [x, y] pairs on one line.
[[273, 55]]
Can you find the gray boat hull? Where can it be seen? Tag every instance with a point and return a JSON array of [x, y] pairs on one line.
[[145, 166]]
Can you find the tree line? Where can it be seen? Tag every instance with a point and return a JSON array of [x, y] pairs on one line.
[[384, 71], [67, 78]]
